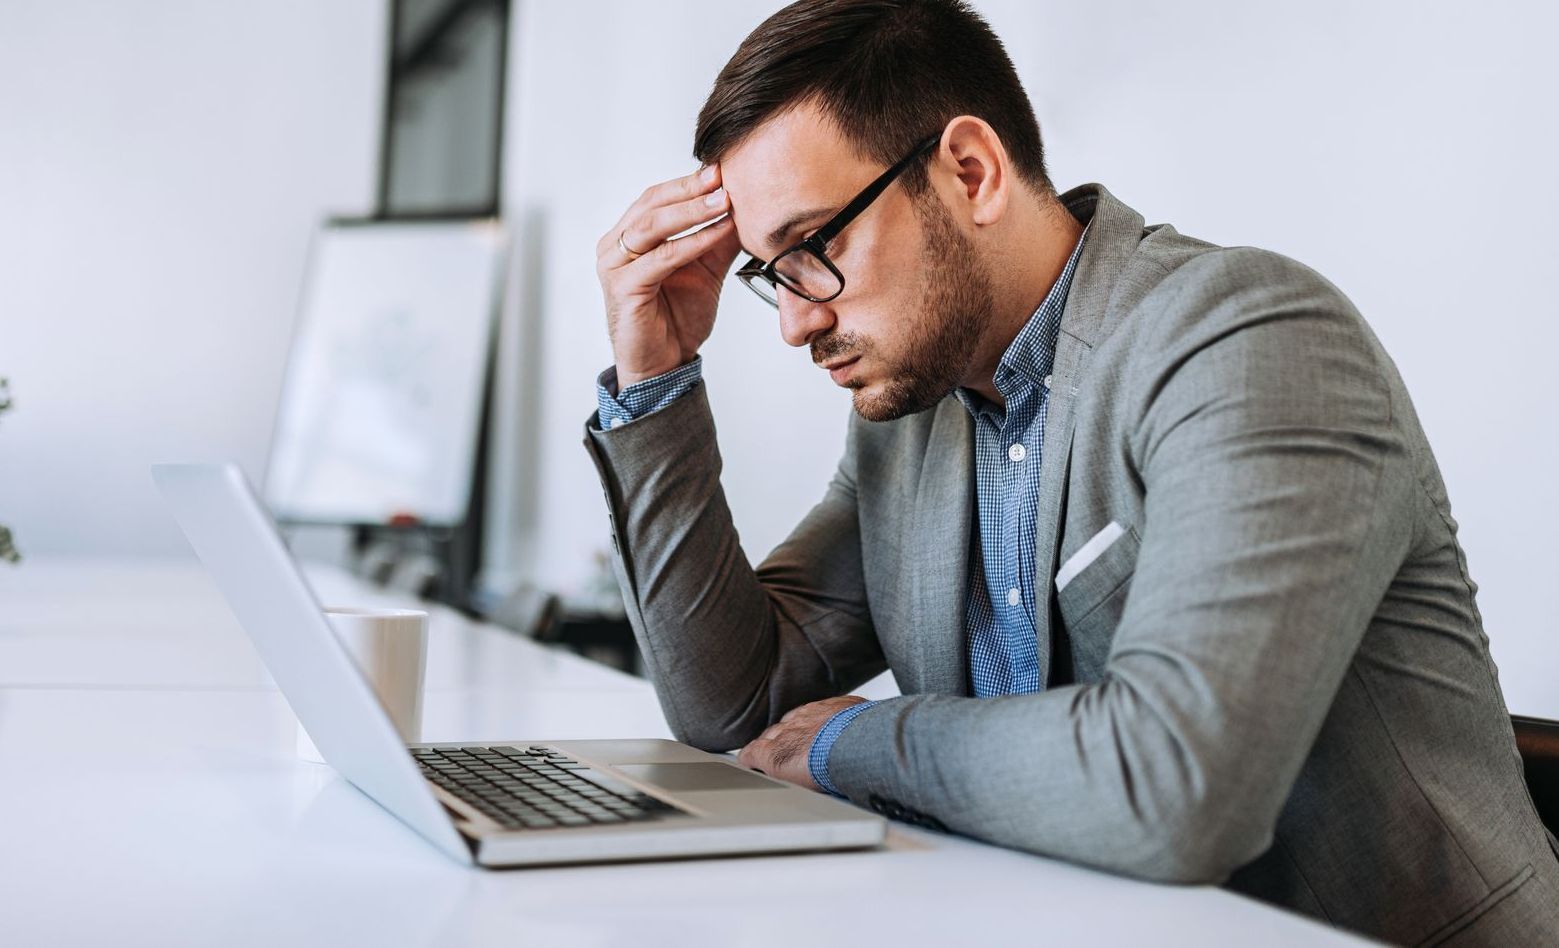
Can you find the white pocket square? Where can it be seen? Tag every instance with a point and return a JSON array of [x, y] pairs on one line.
[[1087, 553]]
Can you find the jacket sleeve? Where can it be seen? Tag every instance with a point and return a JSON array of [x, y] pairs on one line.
[[730, 648], [1275, 492]]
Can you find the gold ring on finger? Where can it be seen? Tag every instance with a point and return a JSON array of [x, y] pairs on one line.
[[623, 246]]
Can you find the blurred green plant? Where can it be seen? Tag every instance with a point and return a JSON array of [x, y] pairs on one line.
[[8, 551]]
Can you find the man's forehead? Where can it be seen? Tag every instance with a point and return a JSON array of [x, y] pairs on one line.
[[792, 165]]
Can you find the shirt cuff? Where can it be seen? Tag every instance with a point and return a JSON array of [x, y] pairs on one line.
[[817, 757], [641, 398]]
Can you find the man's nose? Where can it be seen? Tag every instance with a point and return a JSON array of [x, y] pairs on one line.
[[802, 320]]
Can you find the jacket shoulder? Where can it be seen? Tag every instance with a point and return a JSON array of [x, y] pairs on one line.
[[1202, 293]]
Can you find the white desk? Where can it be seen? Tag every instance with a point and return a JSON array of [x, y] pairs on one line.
[[150, 796]]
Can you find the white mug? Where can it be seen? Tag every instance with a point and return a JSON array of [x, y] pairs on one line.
[[390, 646]]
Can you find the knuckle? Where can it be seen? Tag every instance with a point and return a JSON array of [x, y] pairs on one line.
[[655, 220]]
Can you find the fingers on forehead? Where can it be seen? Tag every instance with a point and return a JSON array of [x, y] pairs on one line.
[[680, 188], [670, 192]]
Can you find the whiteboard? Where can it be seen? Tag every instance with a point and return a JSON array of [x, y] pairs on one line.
[[379, 415]]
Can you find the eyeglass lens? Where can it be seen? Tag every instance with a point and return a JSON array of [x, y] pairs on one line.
[[760, 286], [804, 271]]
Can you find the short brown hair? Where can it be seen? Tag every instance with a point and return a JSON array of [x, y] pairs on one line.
[[887, 72]]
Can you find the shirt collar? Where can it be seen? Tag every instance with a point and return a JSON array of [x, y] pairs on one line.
[[1030, 356]]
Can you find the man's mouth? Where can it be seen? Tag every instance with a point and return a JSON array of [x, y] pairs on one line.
[[839, 370]]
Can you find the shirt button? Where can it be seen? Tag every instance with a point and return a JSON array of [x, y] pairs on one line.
[[1047, 381], [1013, 596], [1017, 452]]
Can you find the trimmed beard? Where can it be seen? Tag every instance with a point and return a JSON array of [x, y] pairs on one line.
[[942, 338]]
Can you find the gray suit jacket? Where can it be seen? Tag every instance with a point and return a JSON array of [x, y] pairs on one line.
[[1274, 678]]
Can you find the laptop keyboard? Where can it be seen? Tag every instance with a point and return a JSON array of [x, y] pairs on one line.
[[534, 788]]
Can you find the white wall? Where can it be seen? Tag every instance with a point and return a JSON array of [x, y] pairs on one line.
[[160, 167]]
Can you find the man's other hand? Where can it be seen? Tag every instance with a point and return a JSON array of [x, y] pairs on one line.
[[781, 751]]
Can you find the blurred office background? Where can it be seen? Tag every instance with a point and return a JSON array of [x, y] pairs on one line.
[[164, 163]]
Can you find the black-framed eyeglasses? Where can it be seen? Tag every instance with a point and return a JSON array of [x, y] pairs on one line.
[[804, 268]]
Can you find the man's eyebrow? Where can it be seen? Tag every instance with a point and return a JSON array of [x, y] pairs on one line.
[[777, 236]]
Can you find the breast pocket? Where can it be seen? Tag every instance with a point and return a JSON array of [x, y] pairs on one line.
[[1091, 588]]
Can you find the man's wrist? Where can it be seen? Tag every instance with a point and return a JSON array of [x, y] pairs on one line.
[[629, 375], [823, 745]]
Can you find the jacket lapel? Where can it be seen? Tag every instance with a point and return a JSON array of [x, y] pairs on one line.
[[1071, 358], [1114, 232]]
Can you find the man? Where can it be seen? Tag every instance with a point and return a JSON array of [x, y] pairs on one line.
[[1145, 528]]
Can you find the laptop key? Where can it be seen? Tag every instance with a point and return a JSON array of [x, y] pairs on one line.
[[605, 782], [605, 817]]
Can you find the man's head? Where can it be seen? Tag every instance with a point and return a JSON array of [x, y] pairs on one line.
[[812, 107]]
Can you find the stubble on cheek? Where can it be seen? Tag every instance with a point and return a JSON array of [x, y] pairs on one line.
[[942, 326]]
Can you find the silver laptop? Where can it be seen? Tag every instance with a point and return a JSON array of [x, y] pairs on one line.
[[510, 803]]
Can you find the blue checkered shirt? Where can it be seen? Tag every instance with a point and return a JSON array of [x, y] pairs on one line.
[[639, 399], [1009, 441]]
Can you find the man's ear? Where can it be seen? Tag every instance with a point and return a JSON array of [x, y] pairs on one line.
[[971, 147]]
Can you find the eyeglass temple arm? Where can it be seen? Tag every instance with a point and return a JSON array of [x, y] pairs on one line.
[[828, 231]]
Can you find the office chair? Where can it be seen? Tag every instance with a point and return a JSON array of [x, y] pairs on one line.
[[1538, 741]]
